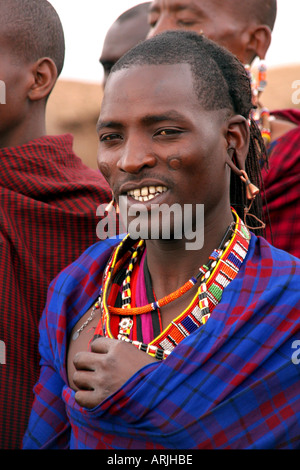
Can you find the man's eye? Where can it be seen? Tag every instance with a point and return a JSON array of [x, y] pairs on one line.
[[109, 137], [186, 22], [168, 132]]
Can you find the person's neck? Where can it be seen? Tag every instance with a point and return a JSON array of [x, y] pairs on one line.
[[31, 129], [171, 265]]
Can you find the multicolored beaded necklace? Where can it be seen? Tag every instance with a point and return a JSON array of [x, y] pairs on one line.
[[222, 267]]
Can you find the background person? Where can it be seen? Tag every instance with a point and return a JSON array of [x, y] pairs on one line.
[[46, 195], [129, 28]]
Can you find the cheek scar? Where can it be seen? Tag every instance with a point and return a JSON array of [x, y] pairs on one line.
[[174, 163]]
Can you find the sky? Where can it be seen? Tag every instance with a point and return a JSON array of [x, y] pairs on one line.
[[86, 23]]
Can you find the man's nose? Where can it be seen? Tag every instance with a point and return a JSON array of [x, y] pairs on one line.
[[136, 156]]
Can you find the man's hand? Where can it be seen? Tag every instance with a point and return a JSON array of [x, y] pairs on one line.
[[105, 369]]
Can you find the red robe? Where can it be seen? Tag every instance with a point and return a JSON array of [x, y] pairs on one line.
[[47, 219], [282, 187]]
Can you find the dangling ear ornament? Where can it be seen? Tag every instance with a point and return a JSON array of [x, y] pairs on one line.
[[251, 189], [251, 193], [111, 205]]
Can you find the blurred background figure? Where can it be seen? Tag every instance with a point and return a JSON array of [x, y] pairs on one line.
[[129, 28]]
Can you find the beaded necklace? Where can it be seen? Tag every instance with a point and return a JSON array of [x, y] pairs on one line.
[[222, 267]]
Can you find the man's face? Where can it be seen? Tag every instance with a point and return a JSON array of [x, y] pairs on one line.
[[216, 19], [167, 141], [14, 74]]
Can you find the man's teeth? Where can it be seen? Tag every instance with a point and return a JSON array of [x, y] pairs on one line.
[[146, 193]]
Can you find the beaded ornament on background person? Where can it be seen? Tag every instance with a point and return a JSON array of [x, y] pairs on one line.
[[260, 114]]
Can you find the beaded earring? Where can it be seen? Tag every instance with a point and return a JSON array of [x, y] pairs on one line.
[[260, 114]]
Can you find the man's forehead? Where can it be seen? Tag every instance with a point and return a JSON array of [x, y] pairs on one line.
[[195, 4], [147, 78]]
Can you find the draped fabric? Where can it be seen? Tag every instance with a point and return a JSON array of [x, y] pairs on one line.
[[233, 383], [48, 202], [282, 187]]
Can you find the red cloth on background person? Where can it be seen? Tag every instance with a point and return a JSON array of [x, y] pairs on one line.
[[282, 187], [47, 219]]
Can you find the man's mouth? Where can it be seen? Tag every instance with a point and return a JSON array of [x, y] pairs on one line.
[[146, 193]]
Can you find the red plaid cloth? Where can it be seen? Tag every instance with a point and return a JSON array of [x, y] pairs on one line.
[[282, 187], [47, 219]]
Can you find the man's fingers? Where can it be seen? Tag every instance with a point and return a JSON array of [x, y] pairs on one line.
[[102, 345], [87, 398], [83, 380], [85, 360]]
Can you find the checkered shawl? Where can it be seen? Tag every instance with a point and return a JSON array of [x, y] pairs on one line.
[[48, 202], [230, 384], [282, 187]]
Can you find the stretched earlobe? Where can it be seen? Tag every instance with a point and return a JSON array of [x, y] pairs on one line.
[[251, 189], [230, 162]]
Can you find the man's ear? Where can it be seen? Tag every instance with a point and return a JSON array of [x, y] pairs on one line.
[[44, 74], [237, 137], [258, 43]]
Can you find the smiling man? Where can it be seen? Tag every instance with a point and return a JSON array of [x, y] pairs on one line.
[[146, 344]]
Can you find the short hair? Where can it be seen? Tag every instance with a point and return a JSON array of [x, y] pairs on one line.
[[220, 82], [262, 12], [265, 12], [134, 11], [34, 30]]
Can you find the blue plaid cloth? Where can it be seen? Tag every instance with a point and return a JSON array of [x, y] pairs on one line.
[[232, 384]]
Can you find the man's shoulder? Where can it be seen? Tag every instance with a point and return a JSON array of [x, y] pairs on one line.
[[277, 265], [93, 259]]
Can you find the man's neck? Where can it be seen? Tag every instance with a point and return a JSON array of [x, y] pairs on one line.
[[171, 265]]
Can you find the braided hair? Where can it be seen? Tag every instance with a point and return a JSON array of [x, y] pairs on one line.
[[220, 82]]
